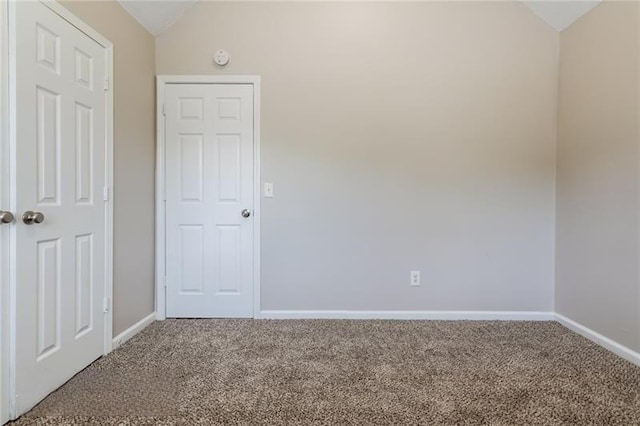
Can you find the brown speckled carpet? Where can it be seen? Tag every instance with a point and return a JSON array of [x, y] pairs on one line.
[[226, 372]]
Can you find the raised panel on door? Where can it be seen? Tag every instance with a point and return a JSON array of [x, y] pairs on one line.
[[229, 108], [228, 259], [191, 260], [83, 68], [84, 153], [47, 48], [84, 284], [48, 145], [191, 108], [191, 163], [48, 299], [229, 167]]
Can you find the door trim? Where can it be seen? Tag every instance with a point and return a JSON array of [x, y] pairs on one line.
[[8, 196], [4, 232], [161, 82]]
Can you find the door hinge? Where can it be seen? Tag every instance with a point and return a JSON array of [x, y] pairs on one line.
[[106, 305], [105, 193], [106, 84]]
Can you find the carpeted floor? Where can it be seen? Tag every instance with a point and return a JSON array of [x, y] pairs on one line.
[[225, 372]]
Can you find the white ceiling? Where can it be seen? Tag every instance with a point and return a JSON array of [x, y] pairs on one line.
[[561, 14], [158, 15]]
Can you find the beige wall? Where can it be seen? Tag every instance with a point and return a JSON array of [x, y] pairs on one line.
[[134, 146], [399, 136], [597, 205]]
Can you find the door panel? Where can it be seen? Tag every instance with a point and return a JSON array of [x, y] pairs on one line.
[[60, 156], [48, 298], [84, 153], [209, 182], [192, 259], [191, 166], [84, 284], [229, 175], [228, 259], [48, 145]]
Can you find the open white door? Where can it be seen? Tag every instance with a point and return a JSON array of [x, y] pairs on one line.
[[59, 246], [209, 137]]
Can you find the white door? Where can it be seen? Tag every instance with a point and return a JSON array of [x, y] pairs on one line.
[[59, 174], [209, 200]]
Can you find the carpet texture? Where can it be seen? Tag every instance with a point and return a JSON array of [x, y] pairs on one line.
[[322, 372]]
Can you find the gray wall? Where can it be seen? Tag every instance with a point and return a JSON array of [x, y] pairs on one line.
[[597, 206], [134, 152], [399, 136]]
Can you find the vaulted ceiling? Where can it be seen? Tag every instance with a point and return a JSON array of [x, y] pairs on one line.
[[158, 15], [561, 14]]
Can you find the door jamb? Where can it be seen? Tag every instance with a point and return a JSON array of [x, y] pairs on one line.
[[4, 201], [161, 83], [7, 194]]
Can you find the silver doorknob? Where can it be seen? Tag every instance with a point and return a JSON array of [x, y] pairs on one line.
[[30, 217], [6, 217], [246, 213]]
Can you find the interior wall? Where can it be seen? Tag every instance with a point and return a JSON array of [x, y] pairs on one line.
[[597, 282], [134, 157], [399, 136]]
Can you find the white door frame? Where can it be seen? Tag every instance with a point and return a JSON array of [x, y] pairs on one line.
[[8, 196], [161, 83], [4, 233]]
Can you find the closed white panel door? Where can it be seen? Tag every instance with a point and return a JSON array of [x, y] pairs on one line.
[[59, 158], [209, 200]]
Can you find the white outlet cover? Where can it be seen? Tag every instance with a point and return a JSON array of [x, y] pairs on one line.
[[268, 190], [414, 279], [221, 57]]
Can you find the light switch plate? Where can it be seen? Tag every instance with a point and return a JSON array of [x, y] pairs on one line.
[[268, 190]]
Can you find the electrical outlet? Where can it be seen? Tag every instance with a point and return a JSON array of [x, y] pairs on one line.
[[414, 279]]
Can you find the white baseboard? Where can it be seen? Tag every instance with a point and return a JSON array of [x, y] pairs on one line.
[[133, 330], [613, 346], [412, 315]]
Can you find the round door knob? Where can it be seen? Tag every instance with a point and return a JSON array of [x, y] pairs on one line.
[[6, 217], [30, 217], [246, 213]]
